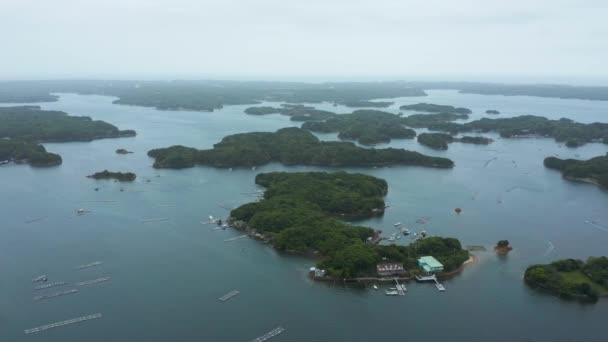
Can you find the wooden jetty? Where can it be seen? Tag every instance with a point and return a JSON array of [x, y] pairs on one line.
[[236, 238], [93, 264], [56, 294], [228, 295], [269, 335], [94, 281], [46, 286], [62, 323]]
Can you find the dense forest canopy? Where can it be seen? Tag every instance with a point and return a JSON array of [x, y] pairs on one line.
[[119, 176], [438, 141], [595, 169], [435, 108], [426, 120], [367, 104], [296, 112], [298, 212], [368, 127], [30, 123], [27, 152], [289, 146]]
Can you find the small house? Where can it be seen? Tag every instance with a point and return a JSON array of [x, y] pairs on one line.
[[390, 269]]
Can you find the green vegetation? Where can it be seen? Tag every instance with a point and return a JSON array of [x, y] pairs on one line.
[[502, 243], [571, 278], [122, 151], [435, 108], [425, 120], [295, 111], [367, 104], [26, 152], [475, 140], [289, 146], [119, 176], [296, 215], [368, 127], [526, 125], [492, 111], [30, 123], [594, 169], [438, 141]]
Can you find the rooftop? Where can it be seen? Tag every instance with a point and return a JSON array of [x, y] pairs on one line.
[[430, 261]]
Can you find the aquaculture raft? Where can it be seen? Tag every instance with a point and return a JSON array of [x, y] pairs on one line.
[[269, 335], [60, 324], [228, 295], [56, 294]]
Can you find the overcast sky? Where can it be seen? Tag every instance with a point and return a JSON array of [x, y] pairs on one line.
[[305, 39]]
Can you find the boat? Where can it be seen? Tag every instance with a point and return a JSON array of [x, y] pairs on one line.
[[80, 211], [405, 231], [398, 236], [391, 293], [375, 287], [40, 278], [391, 239], [397, 224]]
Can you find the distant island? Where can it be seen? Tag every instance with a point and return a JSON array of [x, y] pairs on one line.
[[289, 146], [26, 153], [426, 120], [562, 130], [119, 176], [30, 123], [503, 247], [492, 111], [297, 112], [435, 108], [571, 278], [123, 151], [594, 170], [367, 104], [368, 127], [440, 141], [298, 212]]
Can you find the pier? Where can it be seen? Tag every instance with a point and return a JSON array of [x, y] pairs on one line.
[[93, 264], [94, 281], [56, 294], [401, 290], [62, 323], [228, 295], [46, 286], [236, 238], [269, 335]]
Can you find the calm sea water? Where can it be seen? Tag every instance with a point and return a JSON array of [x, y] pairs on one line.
[[167, 275]]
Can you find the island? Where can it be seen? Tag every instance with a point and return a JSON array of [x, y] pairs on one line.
[[594, 170], [440, 141], [289, 146], [571, 278], [561, 130], [368, 127], [123, 151], [435, 108], [300, 214], [367, 104], [426, 120], [31, 123], [21, 152], [492, 112], [119, 176], [502, 247], [297, 112]]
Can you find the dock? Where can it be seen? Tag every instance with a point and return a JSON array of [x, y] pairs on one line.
[[236, 238], [153, 220], [94, 281], [269, 335], [62, 323], [93, 264], [433, 277], [228, 295], [401, 290], [46, 286], [55, 294]]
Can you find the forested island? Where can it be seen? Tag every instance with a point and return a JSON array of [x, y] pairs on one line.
[[27, 153], [492, 111], [368, 127], [30, 123], [571, 278], [594, 170], [298, 215], [440, 141], [367, 104], [119, 176], [562, 130], [297, 112], [426, 120], [435, 108], [289, 146]]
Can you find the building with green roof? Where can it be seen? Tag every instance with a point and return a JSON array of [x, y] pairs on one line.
[[430, 264]]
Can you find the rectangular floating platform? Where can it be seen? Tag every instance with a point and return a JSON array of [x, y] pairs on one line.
[[46, 286], [94, 281], [153, 220], [236, 238], [93, 264], [55, 294], [228, 295], [62, 323], [269, 335]]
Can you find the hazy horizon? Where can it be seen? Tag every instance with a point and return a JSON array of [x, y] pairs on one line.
[[473, 40]]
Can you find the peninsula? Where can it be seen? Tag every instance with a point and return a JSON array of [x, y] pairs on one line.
[[426, 120], [119, 176], [435, 108], [440, 141], [594, 170], [368, 127], [367, 104], [298, 215], [571, 278], [297, 112], [289, 146], [26, 153]]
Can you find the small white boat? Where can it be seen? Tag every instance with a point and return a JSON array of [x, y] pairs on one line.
[[391, 293], [391, 239], [80, 211], [375, 287], [397, 224], [405, 231], [398, 236]]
